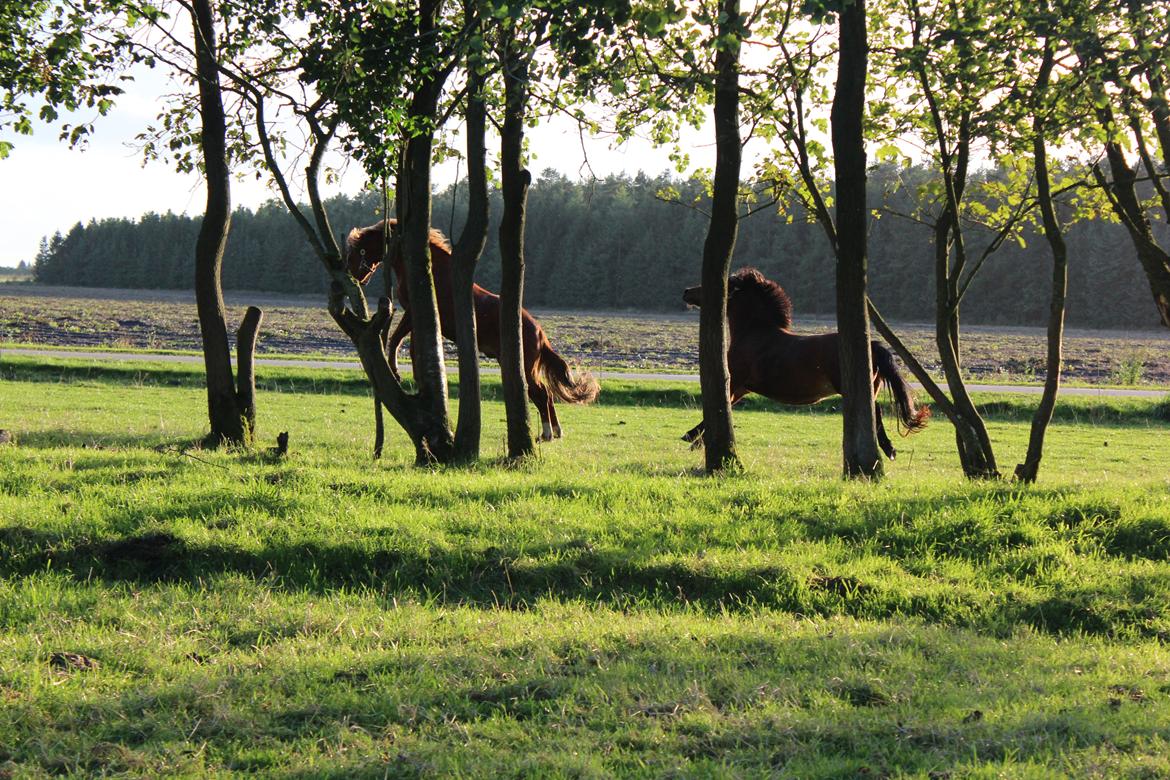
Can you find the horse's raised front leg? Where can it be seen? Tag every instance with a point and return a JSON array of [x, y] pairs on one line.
[[401, 331], [695, 436]]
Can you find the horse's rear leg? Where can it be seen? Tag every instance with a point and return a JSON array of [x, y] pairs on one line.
[[552, 414], [883, 439], [539, 396]]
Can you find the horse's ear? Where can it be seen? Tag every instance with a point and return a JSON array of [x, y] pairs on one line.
[[354, 235]]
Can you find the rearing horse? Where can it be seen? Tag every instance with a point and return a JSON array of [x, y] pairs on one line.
[[765, 357], [547, 372]]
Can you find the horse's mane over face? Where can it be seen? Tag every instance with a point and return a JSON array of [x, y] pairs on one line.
[[754, 298], [437, 239]]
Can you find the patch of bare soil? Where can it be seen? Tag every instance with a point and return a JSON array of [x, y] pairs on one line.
[[162, 319]]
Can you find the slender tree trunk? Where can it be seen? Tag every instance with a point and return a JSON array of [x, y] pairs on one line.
[[859, 441], [715, 381], [464, 258], [1027, 471], [224, 412], [515, 181], [1122, 191], [1155, 261], [971, 439]]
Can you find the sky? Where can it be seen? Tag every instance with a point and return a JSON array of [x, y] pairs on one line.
[[46, 187]]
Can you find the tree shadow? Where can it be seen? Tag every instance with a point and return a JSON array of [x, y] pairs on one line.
[[49, 439], [924, 714]]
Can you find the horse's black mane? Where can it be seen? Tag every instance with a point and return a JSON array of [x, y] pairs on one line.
[[758, 299]]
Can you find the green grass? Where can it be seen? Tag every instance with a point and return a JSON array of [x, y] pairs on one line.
[[600, 611]]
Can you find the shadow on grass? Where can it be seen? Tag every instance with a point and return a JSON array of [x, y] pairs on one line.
[[103, 440], [575, 571], [615, 392], [652, 683]]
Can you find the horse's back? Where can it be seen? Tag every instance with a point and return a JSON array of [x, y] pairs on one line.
[[786, 367]]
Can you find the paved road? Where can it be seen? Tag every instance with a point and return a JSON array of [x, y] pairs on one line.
[[306, 363]]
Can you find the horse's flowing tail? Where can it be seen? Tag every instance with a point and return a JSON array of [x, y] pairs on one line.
[[551, 367], [914, 417]]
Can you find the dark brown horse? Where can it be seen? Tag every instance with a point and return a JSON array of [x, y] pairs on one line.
[[547, 372], [765, 357]]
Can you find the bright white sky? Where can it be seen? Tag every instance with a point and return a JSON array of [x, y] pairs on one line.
[[45, 186]]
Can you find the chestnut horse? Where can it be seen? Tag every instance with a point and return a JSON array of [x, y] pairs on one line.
[[765, 357], [547, 372]]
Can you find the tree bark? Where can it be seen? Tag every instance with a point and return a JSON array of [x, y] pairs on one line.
[[1028, 470], [515, 181], [464, 258], [714, 377], [1155, 261], [859, 440], [1122, 191], [246, 336], [414, 224], [223, 409]]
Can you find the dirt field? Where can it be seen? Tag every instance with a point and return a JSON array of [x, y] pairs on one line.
[[144, 319]]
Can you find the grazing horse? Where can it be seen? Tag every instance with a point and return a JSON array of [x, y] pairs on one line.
[[765, 357], [547, 372]]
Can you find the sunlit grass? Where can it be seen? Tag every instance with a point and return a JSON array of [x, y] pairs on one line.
[[602, 610]]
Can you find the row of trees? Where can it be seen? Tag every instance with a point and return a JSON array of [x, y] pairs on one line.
[[614, 244], [826, 85]]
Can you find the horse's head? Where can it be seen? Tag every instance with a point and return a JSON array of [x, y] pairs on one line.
[[751, 297], [365, 249]]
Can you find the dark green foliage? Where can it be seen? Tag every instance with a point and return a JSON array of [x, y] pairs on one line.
[[611, 244]]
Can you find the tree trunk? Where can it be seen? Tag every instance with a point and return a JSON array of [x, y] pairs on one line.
[[859, 441], [715, 381], [1155, 261], [224, 412], [464, 258], [430, 436], [515, 181], [414, 224], [1027, 471], [246, 337], [976, 455], [1122, 191]]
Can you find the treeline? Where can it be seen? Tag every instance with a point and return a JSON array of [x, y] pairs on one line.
[[612, 244]]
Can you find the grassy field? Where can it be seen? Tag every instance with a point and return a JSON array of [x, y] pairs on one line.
[[601, 611], [165, 320]]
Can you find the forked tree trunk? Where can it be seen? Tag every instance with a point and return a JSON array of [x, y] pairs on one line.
[[414, 224], [429, 431], [515, 181], [1122, 190], [464, 258], [1027, 471], [859, 440], [230, 422], [715, 381], [1155, 261]]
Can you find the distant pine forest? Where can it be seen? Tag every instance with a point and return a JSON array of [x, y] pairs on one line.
[[611, 244]]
